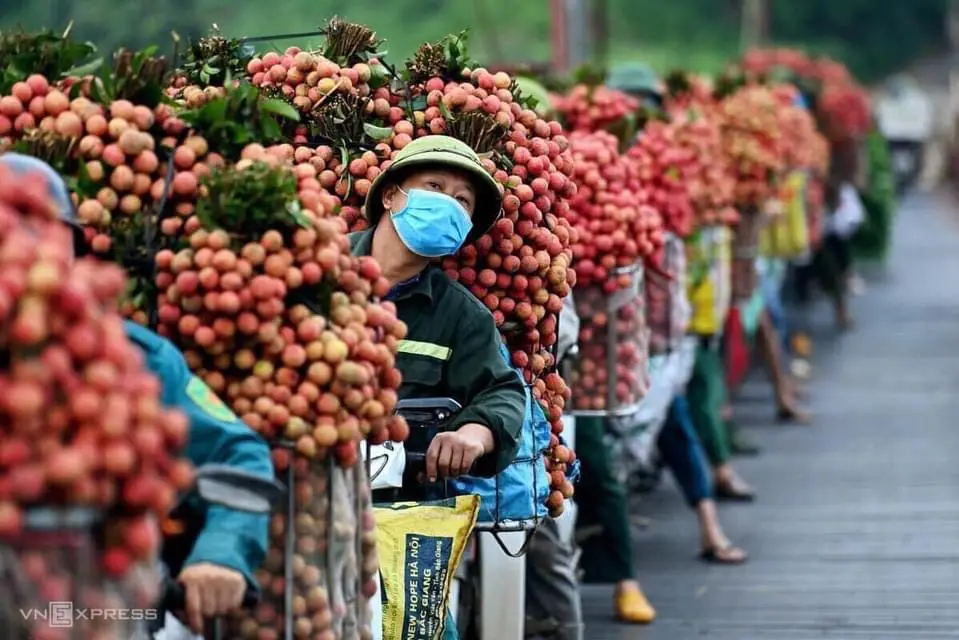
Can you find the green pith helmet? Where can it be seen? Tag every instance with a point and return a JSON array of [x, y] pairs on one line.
[[634, 77], [443, 152], [535, 90]]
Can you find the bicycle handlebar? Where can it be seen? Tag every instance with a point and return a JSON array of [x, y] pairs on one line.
[[174, 597]]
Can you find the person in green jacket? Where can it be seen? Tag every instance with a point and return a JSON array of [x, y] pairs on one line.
[[439, 197], [232, 544]]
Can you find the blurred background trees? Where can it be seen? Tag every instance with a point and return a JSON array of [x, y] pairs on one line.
[[874, 37]]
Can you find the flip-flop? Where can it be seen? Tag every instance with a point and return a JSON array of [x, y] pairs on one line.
[[793, 416], [741, 493], [719, 555]]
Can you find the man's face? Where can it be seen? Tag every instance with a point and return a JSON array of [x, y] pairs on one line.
[[446, 181]]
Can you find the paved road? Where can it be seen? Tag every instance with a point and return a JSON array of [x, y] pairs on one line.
[[856, 531]]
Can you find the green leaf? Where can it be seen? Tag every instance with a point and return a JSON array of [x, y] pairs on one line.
[[299, 215], [377, 133], [216, 109], [84, 69], [280, 108], [100, 91], [379, 76], [444, 111], [271, 129]]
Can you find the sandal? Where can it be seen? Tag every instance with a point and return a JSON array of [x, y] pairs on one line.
[[735, 491], [793, 416], [724, 555]]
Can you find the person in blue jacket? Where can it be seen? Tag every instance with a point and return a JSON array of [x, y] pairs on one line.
[[232, 544]]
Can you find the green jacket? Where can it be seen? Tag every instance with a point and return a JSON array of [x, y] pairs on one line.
[[451, 350]]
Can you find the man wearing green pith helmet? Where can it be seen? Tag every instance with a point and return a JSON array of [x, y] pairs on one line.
[[435, 197]]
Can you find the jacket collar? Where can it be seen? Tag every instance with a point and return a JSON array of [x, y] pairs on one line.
[[361, 244]]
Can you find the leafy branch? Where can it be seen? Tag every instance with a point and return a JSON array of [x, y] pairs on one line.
[[137, 76], [213, 59], [242, 116], [445, 59], [49, 54], [250, 200]]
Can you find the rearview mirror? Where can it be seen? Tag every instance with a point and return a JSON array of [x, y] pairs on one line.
[[237, 489]]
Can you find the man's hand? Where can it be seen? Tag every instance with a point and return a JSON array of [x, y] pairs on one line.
[[452, 453], [211, 591]]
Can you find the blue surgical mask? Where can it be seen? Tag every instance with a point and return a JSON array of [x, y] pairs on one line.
[[432, 224]]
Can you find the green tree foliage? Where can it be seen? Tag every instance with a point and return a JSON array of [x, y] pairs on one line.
[[873, 36]]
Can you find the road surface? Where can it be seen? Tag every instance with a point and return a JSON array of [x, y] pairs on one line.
[[855, 533]]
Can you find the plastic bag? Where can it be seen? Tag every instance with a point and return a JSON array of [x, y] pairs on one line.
[[787, 236], [420, 546], [518, 493], [667, 307], [342, 557], [316, 504], [850, 214], [568, 328], [685, 359], [610, 376], [710, 258], [387, 464]]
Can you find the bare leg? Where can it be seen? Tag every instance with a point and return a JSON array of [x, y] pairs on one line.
[[716, 547], [730, 485], [771, 347], [844, 319], [727, 412]]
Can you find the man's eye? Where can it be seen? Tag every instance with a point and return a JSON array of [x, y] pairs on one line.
[[464, 201], [433, 185]]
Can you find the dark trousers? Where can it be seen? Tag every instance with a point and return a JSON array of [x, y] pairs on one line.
[[829, 268], [682, 452], [601, 502], [706, 394], [552, 586]]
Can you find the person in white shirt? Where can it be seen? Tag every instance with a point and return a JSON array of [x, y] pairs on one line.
[[833, 262]]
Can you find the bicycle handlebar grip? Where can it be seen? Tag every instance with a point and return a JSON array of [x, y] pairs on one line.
[[174, 597]]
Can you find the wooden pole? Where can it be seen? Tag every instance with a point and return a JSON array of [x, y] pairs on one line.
[[754, 28], [599, 31], [558, 36], [947, 141], [952, 31]]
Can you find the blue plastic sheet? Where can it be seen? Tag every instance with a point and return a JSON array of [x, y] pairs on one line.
[[519, 492]]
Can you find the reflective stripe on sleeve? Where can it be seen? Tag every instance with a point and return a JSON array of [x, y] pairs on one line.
[[429, 349]]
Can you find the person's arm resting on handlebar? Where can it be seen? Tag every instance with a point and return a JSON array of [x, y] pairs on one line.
[[494, 393]]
